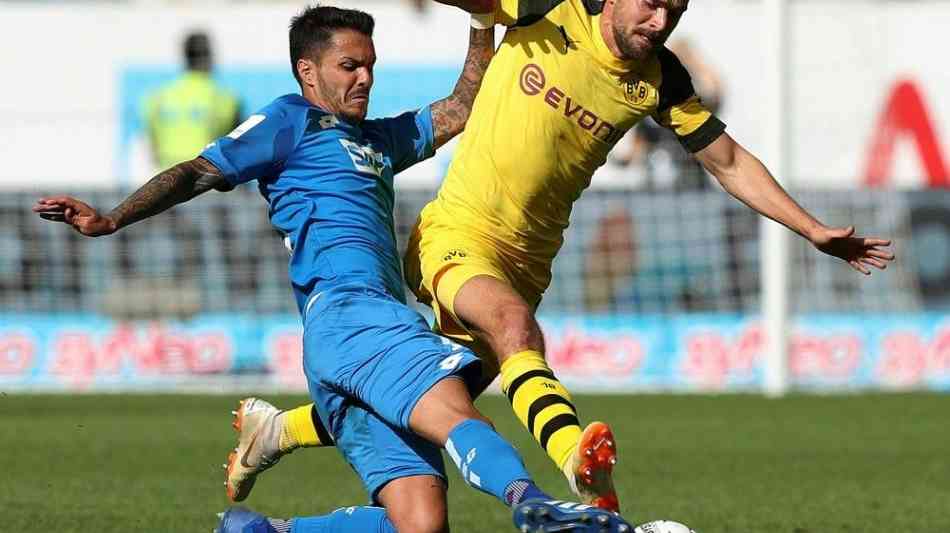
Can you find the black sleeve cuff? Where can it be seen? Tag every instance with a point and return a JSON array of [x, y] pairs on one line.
[[704, 135]]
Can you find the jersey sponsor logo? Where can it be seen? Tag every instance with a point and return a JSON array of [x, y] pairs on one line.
[[533, 81], [365, 159], [245, 126]]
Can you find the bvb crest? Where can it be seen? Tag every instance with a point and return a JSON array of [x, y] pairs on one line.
[[635, 92]]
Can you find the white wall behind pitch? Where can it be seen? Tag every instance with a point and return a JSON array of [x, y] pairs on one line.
[[59, 73]]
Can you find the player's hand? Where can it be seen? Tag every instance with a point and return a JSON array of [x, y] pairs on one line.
[[859, 252], [79, 215], [472, 6]]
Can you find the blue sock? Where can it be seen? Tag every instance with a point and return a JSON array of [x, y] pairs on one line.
[[346, 520], [522, 490], [486, 461]]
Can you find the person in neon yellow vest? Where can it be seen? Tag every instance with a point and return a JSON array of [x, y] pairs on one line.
[[191, 111]]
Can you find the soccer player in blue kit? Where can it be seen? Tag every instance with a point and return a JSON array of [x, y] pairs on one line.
[[390, 391]]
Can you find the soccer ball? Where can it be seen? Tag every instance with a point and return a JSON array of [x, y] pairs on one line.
[[663, 526]]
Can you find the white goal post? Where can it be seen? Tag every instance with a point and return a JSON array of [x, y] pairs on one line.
[[775, 238]]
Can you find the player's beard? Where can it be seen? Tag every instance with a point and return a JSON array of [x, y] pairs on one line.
[[632, 50], [337, 100]]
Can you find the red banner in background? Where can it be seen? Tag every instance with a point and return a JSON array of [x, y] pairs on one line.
[[905, 114]]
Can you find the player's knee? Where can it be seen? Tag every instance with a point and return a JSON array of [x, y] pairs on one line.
[[422, 519], [515, 329], [463, 412]]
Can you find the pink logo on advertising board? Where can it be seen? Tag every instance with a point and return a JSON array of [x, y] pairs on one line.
[[712, 359], [577, 354], [285, 359], [939, 360], [17, 352], [908, 359], [80, 357], [833, 357]]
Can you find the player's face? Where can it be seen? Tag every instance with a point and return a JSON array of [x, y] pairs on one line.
[[345, 74], [641, 26]]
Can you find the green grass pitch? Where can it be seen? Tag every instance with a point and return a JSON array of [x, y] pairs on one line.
[[805, 464]]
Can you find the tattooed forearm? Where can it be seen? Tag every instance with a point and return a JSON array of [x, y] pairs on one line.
[[450, 114], [178, 184]]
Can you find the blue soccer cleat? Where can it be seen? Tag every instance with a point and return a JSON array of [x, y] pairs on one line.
[[553, 516], [242, 520]]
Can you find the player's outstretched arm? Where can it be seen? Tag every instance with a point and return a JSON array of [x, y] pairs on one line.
[[746, 178], [450, 114], [178, 184]]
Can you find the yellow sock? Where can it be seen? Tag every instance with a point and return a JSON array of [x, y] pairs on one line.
[[302, 428], [541, 403]]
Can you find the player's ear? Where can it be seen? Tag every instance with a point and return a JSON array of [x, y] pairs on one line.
[[307, 70]]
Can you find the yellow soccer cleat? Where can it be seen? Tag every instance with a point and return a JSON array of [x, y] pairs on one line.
[[258, 449], [589, 470]]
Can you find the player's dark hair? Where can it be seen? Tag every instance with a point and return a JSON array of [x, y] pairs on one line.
[[312, 29], [197, 51]]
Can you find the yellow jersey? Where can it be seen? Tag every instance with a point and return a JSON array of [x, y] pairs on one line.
[[553, 103]]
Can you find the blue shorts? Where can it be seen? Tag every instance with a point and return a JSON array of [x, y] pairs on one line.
[[369, 358], [380, 453]]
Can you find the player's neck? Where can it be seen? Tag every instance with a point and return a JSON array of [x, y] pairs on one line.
[[311, 96]]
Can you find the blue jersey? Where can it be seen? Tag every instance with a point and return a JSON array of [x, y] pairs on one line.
[[329, 185]]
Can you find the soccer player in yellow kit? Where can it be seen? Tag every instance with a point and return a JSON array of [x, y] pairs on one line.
[[570, 78]]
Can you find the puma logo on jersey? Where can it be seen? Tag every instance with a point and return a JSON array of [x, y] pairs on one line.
[[365, 159]]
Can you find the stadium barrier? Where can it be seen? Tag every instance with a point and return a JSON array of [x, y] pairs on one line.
[[619, 353], [650, 292]]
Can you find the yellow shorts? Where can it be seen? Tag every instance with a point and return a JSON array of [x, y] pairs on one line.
[[440, 258]]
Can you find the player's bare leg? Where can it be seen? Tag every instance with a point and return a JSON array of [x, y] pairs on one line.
[[416, 503], [498, 315]]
